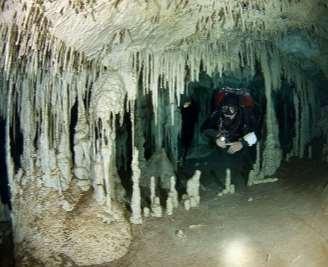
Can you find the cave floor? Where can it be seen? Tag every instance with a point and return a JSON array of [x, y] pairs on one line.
[[278, 224]]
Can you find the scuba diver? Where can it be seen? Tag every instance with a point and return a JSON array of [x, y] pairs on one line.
[[232, 124], [232, 131]]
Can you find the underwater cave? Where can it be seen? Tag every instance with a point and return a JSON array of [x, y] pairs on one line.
[[164, 133]]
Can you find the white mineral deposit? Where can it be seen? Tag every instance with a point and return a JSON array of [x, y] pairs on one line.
[[193, 189], [156, 209]]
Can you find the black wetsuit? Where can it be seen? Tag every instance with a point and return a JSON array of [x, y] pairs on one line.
[[233, 130]]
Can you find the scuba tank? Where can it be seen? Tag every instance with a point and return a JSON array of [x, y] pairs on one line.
[[245, 100]]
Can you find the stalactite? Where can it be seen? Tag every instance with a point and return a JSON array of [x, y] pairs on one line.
[[305, 109], [9, 158], [171, 134], [272, 153], [64, 157], [140, 126], [82, 161], [169, 68], [46, 153], [157, 125], [45, 76]]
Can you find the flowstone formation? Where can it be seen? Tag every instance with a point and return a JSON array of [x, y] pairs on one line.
[[59, 234], [73, 73], [54, 205], [70, 214]]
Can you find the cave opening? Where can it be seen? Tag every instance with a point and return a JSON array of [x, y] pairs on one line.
[[173, 145], [197, 152], [123, 153]]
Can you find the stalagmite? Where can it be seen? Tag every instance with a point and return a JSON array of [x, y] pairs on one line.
[[152, 190], [169, 206], [159, 166], [227, 180], [255, 173], [156, 209], [186, 204], [155, 205], [193, 189], [229, 187], [66, 205], [173, 194], [136, 198], [146, 212]]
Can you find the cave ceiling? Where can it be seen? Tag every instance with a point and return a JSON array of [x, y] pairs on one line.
[[107, 30]]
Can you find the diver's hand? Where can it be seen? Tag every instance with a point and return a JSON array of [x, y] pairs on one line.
[[220, 143], [235, 147]]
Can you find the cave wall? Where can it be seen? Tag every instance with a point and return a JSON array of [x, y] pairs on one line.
[[62, 182]]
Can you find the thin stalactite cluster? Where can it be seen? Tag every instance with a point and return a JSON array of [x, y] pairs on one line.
[[52, 77]]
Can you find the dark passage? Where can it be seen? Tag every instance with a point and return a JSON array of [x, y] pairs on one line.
[[202, 153], [4, 187]]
